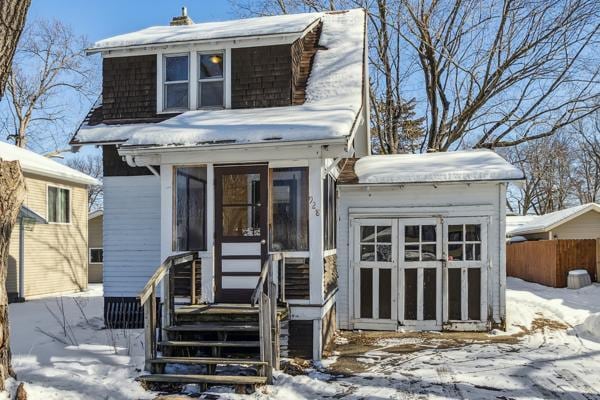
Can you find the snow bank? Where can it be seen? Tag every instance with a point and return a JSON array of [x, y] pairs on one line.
[[333, 100], [37, 164], [260, 26], [592, 325], [457, 166]]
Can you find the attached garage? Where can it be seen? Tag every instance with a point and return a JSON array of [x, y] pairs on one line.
[[421, 241]]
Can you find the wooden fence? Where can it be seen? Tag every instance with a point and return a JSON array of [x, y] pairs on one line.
[[549, 261]]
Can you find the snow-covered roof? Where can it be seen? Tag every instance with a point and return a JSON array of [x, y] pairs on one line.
[[457, 166], [37, 164], [95, 214], [259, 26], [547, 222], [334, 97], [516, 221]]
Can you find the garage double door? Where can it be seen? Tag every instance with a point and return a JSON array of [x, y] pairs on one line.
[[420, 273]]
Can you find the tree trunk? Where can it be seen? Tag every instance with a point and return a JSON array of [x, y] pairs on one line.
[[12, 20], [12, 193]]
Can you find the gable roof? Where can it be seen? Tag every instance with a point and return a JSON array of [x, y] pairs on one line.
[[455, 166], [37, 164], [234, 29], [334, 100], [547, 222]]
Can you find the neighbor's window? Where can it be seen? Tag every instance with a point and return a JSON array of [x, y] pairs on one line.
[[176, 82], [290, 209], [210, 80], [59, 205], [190, 209], [96, 256], [329, 216]]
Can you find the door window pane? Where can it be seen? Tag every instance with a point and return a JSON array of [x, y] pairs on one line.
[[384, 252], [428, 233], [367, 252], [241, 221], [411, 252], [455, 233], [376, 239], [464, 242], [190, 209], [411, 233], [384, 234], [473, 233], [455, 252], [428, 252], [289, 195], [241, 189], [367, 233]]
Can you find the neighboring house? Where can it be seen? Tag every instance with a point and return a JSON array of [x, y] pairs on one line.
[[95, 246], [579, 222], [421, 241], [48, 246], [222, 144]]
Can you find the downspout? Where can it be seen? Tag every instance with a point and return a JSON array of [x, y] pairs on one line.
[[21, 294]]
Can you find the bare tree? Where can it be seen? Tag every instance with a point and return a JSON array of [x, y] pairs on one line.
[[49, 67], [12, 186], [586, 163], [12, 20], [92, 166], [502, 72], [396, 128]]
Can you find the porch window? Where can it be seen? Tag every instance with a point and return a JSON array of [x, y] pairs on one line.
[[290, 209], [190, 209], [59, 205], [329, 213], [210, 80], [176, 82]]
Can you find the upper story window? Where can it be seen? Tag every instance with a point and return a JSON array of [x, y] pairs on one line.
[[210, 80], [176, 82], [59, 205]]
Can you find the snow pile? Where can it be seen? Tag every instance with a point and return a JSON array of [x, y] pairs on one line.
[[61, 351], [457, 166], [592, 325], [260, 26], [514, 222], [333, 100], [548, 221], [37, 164]]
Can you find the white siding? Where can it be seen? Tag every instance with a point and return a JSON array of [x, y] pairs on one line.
[[131, 233], [481, 199]]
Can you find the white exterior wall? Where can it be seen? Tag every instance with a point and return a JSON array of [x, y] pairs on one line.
[[131, 233], [476, 199]]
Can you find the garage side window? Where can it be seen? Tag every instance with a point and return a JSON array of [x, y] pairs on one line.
[[464, 242], [59, 205], [376, 243], [190, 209]]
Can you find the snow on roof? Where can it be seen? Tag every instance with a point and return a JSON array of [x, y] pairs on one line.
[[259, 26], [516, 221], [333, 100], [457, 166], [547, 222], [37, 164], [94, 214]]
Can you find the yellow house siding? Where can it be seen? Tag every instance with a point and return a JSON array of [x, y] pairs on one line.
[[12, 277], [585, 226], [55, 254], [95, 241]]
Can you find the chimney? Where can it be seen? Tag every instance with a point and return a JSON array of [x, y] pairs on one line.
[[183, 19]]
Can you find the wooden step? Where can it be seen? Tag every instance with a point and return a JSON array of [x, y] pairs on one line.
[[213, 327], [232, 343], [207, 361], [207, 379]]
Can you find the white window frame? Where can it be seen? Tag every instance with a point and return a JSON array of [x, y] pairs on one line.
[[164, 83], [90, 255], [200, 80], [70, 199]]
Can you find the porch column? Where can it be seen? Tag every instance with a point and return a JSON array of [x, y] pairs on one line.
[[315, 228], [166, 223]]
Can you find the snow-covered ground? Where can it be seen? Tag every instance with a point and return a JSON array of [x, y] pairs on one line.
[[551, 350]]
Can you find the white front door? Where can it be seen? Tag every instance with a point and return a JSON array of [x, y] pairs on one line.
[[420, 273]]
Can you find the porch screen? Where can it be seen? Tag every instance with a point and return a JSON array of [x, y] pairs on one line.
[[290, 209], [190, 209]]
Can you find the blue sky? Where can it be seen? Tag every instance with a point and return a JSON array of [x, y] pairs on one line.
[[99, 19]]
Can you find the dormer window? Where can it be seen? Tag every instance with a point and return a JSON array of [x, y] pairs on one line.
[[176, 82], [210, 80]]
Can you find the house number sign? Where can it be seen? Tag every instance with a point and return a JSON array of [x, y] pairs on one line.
[[313, 205]]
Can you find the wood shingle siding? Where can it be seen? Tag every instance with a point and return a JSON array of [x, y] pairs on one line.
[[113, 165], [330, 275], [129, 87], [55, 254], [131, 233], [303, 53], [261, 76]]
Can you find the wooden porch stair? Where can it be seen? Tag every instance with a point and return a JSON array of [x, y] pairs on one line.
[[216, 344]]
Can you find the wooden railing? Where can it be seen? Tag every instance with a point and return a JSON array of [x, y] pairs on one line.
[[148, 298], [269, 292]]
